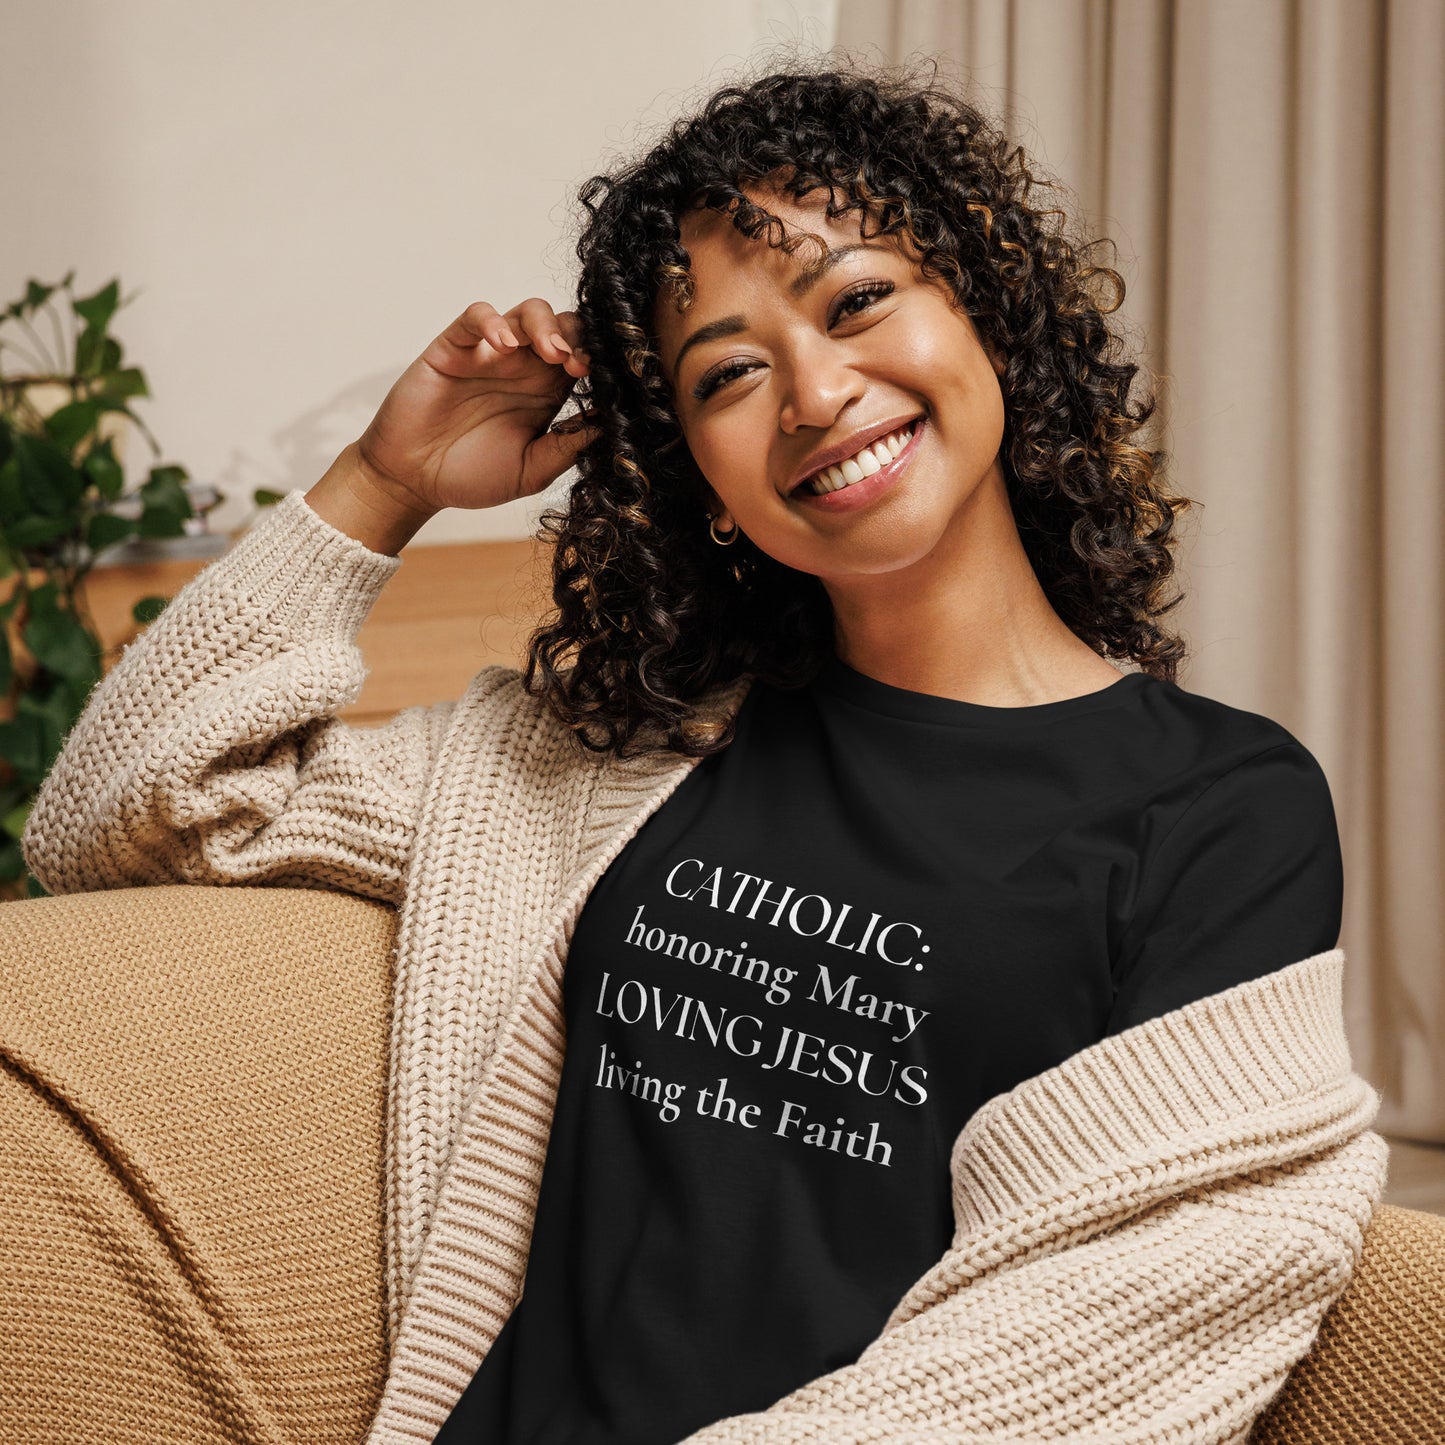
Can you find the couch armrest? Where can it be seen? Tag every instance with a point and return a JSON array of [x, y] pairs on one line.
[[1376, 1371]]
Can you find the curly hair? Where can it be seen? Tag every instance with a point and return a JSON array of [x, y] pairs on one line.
[[649, 613]]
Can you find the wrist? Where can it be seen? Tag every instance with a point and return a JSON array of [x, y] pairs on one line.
[[360, 501]]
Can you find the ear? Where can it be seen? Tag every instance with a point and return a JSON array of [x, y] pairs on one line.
[[717, 510]]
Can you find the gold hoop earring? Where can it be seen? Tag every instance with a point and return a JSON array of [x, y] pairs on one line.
[[726, 541]]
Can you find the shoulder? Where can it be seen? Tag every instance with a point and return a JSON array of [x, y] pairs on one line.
[[1225, 799], [499, 712], [1194, 744], [1239, 804], [1241, 869], [501, 728]]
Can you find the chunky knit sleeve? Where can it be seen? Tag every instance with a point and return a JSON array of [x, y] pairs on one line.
[[1148, 1238], [210, 752]]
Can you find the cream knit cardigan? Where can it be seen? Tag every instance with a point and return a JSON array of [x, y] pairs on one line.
[[1148, 1234]]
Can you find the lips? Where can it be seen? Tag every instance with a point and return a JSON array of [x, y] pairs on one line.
[[869, 462], [861, 495], [848, 447]]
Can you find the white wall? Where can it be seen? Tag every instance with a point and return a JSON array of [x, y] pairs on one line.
[[300, 196]]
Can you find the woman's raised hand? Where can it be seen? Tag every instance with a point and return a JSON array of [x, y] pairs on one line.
[[467, 423]]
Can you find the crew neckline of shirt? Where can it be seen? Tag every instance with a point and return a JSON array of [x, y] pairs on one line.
[[846, 682]]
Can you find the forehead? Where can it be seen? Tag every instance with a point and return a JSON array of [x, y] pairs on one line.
[[706, 232], [726, 265]]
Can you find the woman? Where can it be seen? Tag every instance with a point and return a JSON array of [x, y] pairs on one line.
[[889, 907]]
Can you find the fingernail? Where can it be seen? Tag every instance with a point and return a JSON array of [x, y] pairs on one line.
[[507, 337], [558, 342]]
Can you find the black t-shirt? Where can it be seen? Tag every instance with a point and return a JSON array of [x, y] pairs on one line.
[[872, 912]]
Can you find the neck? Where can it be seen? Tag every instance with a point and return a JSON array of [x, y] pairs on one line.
[[968, 620]]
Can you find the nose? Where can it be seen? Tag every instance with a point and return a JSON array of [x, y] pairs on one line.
[[820, 382]]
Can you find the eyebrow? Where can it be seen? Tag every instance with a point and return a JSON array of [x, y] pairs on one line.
[[731, 325]]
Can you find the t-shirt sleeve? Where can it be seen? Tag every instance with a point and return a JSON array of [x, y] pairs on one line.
[[1248, 880]]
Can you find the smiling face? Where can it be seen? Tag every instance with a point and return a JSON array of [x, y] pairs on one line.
[[779, 365]]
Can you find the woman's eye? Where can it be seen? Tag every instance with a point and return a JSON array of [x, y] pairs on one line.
[[715, 379], [866, 294], [863, 296]]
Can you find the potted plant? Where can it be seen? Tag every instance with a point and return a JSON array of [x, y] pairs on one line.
[[63, 414]]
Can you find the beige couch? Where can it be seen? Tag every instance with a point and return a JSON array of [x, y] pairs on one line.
[[191, 1127]]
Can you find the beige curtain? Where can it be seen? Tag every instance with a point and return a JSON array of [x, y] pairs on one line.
[[1273, 172]]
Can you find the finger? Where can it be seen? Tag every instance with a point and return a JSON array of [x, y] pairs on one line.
[[570, 325], [551, 453], [586, 418], [542, 329], [481, 322]]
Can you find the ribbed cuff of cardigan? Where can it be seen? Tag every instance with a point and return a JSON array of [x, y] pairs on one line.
[[1266, 1044], [295, 566]]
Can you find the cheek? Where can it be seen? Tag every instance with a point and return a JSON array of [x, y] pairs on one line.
[[946, 352], [958, 375], [728, 453]]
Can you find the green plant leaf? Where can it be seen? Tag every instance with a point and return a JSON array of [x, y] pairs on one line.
[[36, 295], [96, 354], [160, 522], [106, 402], [66, 426], [263, 497], [35, 530], [148, 609], [90, 352], [51, 484], [166, 483], [130, 381], [60, 642], [102, 468], [167, 507], [45, 596], [70, 698], [105, 529], [12, 493], [63, 704], [13, 822], [22, 745], [7, 667], [12, 861], [96, 310]]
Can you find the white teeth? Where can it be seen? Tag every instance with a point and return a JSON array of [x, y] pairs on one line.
[[871, 459]]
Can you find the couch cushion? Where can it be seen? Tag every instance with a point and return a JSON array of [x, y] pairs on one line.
[[1376, 1370], [191, 1155]]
